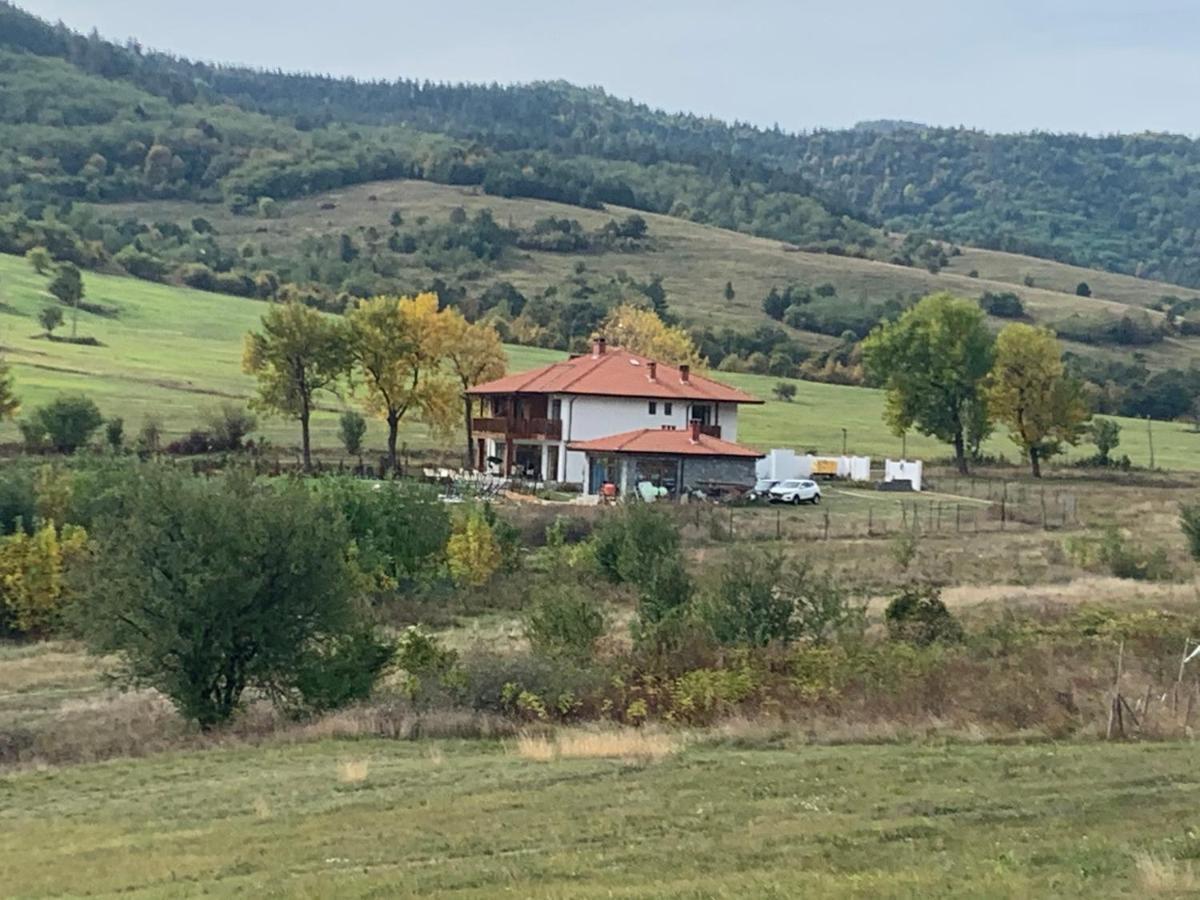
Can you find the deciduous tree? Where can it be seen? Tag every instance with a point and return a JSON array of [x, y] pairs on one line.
[[67, 287], [933, 361], [204, 588], [1031, 393], [399, 345], [298, 354], [641, 331], [475, 355], [50, 317], [40, 259]]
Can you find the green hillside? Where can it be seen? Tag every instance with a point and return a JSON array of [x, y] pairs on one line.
[[695, 261], [173, 352], [1116, 202]]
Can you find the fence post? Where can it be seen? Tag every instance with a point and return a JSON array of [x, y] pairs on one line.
[[778, 524], [957, 518], [826, 524], [870, 520]]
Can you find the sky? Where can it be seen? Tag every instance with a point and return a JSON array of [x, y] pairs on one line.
[[1094, 66]]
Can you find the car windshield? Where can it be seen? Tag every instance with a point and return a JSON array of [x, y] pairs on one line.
[[793, 483]]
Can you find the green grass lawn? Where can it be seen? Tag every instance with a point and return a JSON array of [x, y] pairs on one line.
[[172, 352], [474, 820]]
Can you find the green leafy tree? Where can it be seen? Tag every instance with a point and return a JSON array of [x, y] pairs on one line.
[[1031, 392], [67, 287], [40, 259], [9, 404], [50, 318], [1189, 521], [563, 621], [298, 354], [933, 361], [352, 427], [68, 421], [475, 355], [1106, 435], [114, 433], [1083, 290], [206, 588], [785, 391]]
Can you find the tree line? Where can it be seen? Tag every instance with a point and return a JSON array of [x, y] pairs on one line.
[[946, 375]]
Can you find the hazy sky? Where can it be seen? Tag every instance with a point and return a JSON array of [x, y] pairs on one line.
[[1003, 65]]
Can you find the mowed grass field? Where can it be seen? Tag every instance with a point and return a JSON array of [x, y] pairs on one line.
[[174, 352], [694, 260], [739, 815]]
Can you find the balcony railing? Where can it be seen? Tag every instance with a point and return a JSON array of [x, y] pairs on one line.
[[542, 429], [711, 430]]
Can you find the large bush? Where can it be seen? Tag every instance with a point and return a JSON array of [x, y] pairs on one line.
[[67, 422], [918, 615], [399, 531], [564, 621], [205, 588]]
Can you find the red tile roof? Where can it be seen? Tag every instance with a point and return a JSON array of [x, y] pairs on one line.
[[668, 441], [614, 373]]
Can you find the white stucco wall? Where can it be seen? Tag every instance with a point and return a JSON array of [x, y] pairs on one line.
[[585, 418]]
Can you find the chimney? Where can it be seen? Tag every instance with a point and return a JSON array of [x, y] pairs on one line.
[[599, 346], [652, 373], [685, 372], [695, 431]]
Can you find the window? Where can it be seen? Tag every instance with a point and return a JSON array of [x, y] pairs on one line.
[[556, 410], [653, 408], [666, 409]]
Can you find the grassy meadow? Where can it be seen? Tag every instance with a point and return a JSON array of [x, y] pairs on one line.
[[742, 812], [173, 352]]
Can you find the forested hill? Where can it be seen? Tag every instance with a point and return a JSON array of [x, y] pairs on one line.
[[1125, 203]]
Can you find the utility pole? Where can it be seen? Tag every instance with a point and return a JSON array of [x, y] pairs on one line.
[[844, 433], [1150, 439]]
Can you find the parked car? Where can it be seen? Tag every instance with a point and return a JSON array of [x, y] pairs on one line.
[[761, 489], [796, 490]]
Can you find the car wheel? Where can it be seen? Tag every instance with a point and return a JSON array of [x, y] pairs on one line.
[[796, 499], [816, 499]]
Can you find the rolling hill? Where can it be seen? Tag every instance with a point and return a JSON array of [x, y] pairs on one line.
[[173, 352], [696, 261]]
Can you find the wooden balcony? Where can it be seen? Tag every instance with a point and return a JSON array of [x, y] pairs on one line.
[[518, 429], [711, 430]]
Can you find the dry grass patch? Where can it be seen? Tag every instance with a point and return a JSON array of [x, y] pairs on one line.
[[631, 745], [1160, 875], [353, 771]]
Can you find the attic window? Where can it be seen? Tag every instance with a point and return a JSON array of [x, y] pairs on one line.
[[666, 409], [653, 408]]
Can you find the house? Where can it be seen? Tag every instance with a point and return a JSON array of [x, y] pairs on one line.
[[539, 423]]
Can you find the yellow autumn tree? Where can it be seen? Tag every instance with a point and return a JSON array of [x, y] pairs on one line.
[[641, 331], [1030, 392], [399, 347], [475, 355], [33, 576], [473, 553]]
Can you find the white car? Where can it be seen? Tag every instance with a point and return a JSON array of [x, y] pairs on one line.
[[796, 490]]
